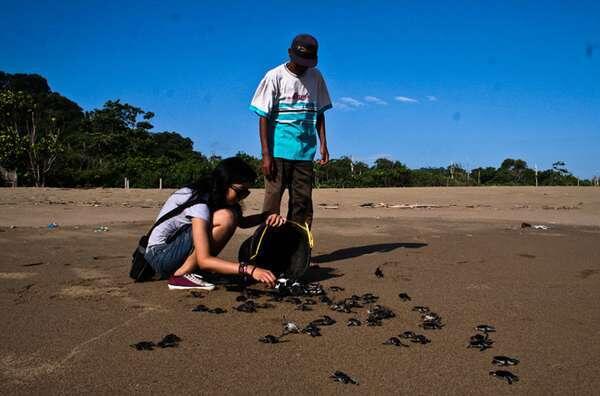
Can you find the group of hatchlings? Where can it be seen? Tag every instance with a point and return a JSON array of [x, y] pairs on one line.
[[375, 314]]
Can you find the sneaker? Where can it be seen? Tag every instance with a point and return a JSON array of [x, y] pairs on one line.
[[189, 281]]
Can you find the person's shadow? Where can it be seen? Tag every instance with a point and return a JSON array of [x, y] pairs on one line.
[[355, 251]]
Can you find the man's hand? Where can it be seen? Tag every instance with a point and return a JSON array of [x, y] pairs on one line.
[[324, 156], [268, 167], [275, 220]]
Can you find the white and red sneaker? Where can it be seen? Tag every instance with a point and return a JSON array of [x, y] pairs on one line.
[[189, 281]]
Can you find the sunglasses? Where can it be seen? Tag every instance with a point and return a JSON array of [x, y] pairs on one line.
[[240, 192]]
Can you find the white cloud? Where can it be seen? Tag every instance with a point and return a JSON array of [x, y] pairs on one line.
[[341, 106], [406, 99], [375, 100], [351, 102], [432, 98]]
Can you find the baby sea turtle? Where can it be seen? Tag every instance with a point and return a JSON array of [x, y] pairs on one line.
[[404, 297], [373, 321], [431, 325], [394, 341], [144, 346], [480, 342], [505, 361], [249, 307], [169, 341], [200, 308], [505, 375], [269, 339], [197, 294], [324, 321], [421, 309], [344, 378], [217, 310], [420, 339], [485, 328], [313, 330], [369, 298], [290, 327], [325, 300], [336, 288], [353, 322], [407, 334], [379, 273], [381, 312]]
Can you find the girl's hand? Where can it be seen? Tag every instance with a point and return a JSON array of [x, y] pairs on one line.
[[263, 276], [275, 220]]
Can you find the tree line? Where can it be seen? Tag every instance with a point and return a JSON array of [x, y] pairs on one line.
[[46, 139]]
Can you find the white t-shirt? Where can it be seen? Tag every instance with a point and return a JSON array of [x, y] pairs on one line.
[[164, 230], [292, 104]]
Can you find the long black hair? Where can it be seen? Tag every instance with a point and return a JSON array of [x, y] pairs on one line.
[[229, 171]]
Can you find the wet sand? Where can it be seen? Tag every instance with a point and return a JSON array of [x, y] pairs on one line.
[[70, 312]]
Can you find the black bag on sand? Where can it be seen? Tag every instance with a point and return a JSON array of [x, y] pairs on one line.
[[141, 270], [284, 250]]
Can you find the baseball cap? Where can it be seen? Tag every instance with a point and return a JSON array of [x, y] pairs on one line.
[[303, 50]]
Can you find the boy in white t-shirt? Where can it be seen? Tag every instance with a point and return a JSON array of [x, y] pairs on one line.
[[291, 100]]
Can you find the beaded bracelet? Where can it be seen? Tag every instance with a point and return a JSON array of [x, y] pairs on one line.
[[243, 269]]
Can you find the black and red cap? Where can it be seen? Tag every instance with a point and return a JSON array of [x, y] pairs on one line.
[[303, 50]]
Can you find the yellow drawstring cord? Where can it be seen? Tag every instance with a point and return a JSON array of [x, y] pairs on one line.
[[305, 228]]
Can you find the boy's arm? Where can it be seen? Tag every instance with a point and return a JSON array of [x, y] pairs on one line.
[[268, 165], [323, 139]]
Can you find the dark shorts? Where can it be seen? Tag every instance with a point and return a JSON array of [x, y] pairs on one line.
[[297, 177], [166, 258]]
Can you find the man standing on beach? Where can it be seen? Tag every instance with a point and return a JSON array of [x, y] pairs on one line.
[[291, 101]]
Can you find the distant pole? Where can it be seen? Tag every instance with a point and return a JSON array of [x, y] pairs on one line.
[[536, 175], [125, 183], [160, 183], [479, 177]]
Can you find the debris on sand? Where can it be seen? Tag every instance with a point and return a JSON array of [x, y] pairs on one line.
[[505, 375], [343, 378], [329, 206], [379, 273], [52, 226]]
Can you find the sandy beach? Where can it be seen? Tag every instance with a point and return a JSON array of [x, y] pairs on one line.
[[70, 312]]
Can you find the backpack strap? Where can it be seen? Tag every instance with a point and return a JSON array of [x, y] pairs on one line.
[[174, 212]]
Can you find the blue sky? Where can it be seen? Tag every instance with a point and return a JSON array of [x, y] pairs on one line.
[[426, 83]]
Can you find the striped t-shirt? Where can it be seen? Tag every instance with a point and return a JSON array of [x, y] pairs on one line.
[[292, 104]]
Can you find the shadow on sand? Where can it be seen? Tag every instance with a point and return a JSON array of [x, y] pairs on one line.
[[351, 252]]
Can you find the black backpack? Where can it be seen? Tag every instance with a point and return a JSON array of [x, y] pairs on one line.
[[141, 270], [283, 250]]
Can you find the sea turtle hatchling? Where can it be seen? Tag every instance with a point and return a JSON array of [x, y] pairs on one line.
[[313, 330], [269, 339], [407, 334], [379, 273], [505, 361], [421, 309], [290, 327], [505, 375], [344, 378], [404, 297], [484, 328], [394, 341], [353, 322], [420, 339], [169, 341], [324, 321]]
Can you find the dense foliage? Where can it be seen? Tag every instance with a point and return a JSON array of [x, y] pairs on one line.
[[49, 140]]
